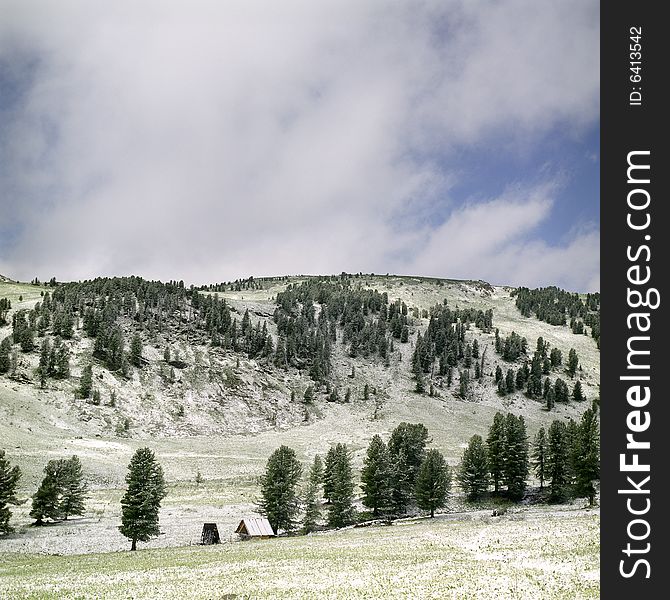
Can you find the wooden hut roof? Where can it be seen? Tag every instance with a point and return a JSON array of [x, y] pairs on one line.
[[255, 526]]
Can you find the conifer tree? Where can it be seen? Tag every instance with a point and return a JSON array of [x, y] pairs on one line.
[[516, 456], [433, 482], [140, 505], [329, 467], [376, 476], [136, 350], [73, 489], [9, 479], [588, 458], [496, 449], [557, 468], [406, 446], [540, 456], [86, 381], [46, 501], [473, 475], [577, 393], [573, 362], [5, 349], [341, 508], [313, 496], [279, 501]]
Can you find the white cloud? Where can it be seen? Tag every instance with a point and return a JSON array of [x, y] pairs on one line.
[[209, 140]]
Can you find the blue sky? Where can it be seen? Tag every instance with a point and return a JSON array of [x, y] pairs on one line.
[[207, 141]]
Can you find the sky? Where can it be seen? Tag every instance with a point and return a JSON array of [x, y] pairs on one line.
[[209, 140]]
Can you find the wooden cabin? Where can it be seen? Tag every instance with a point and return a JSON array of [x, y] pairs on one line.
[[255, 527]]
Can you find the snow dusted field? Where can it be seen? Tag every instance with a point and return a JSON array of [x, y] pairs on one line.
[[529, 554]]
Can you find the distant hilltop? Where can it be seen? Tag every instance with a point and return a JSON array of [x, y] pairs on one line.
[[5, 279]]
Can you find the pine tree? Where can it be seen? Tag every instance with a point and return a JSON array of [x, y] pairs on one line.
[[376, 476], [329, 468], [407, 447], [43, 368], [136, 350], [86, 382], [516, 459], [473, 475], [577, 393], [46, 501], [588, 458], [540, 456], [433, 482], [341, 508], [313, 496], [140, 505], [573, 362], [9, 479], [496, 448], [73, 489], [5, 349], [279, 501], [557, 468]]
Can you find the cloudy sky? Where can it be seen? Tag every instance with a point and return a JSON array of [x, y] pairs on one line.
[[209, 140]]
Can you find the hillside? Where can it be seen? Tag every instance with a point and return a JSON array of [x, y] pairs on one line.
[[219, 408]]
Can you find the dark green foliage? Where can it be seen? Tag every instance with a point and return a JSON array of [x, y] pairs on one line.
[[433, 482], [587, 467], [136, 350], [329, 467], [308, 397], [279, 501], [540, 456], [510, 382], [496, 448], [9, 479], [573, 362], [313, 496], [577, 393], [557, 470], [406, 446], [561, 392], [376, 476], [516, 459], [86, 382], [46, 501], [473, 475], [512, 347], [5, 349], [464, 384], [73, 489], [341, 509], [554, 306], [140, 505], [5, 307], [499, 374], [556, 357]]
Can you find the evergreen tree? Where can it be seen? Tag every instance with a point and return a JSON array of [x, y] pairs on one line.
[[406, 446], [577, 393], [5, 349], [73, 489], [136, 350], [341, 508], [516, 459], [556, 357], [473, 475], [279, 501], [329, 469], [313, 496], [496, 449], [433, 482], [140, 505], [499, 374], [308, 397], [573, 362], [9, 479], [540, 456], [557, 458], [376, 476], [587, 468], [509, 381], [46, 501], [86, 381], [561, 393]]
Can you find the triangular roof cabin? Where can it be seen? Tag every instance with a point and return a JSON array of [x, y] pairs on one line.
[[255, 527]]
